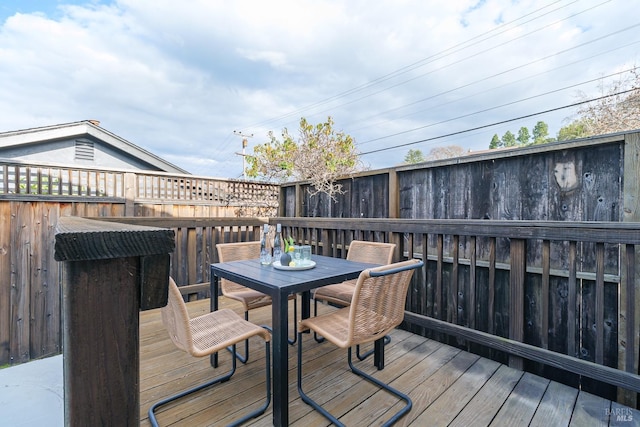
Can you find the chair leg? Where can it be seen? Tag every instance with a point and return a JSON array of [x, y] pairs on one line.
[[361, 357], [316, 337], [401, 413], [244, 359], [267, 402], [221, 379], [295, 324], [305, 398]]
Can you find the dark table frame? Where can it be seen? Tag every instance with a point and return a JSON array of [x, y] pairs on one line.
[[279, 284]]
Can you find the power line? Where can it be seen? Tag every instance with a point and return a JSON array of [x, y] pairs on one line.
[[564, 51], [499, 106], [498, 123], [448, 91], [459, 47], [453, 49], [547, 57]]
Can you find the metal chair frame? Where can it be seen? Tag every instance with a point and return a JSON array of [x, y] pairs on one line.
[[176, 319], [249, 298], [349, 334], [361, 251]]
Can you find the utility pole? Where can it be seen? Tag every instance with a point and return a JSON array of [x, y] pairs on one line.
[[244, 146]]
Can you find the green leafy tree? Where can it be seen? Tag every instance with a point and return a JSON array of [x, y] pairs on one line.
[[508, 139], [524, 136], [414, 156], [574, 130], [540, 133], [321, 155], [274, 160], [495, 142]]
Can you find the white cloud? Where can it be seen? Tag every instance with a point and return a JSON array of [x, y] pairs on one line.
[[274, 59], [177, 78]]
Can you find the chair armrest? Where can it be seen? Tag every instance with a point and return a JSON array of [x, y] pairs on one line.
[[377, 273]]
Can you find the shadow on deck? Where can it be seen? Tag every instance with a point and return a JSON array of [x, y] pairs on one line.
[[448, 386]]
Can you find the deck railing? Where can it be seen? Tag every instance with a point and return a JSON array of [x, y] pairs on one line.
[[555, 298], [196, 240], [156, 186], [20, 179], [550, 288]]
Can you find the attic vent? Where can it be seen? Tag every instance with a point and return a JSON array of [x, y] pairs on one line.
[[84, 150]]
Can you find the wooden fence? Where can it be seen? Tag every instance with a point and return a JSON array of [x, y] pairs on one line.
[[554, 296], [576, 299], [138, 193], [594, 179], [565, 286], [34, 197]]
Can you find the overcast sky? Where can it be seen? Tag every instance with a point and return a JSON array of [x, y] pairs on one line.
[[179, 77]]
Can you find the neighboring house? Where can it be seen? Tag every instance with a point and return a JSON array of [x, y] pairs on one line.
[[82, 143]]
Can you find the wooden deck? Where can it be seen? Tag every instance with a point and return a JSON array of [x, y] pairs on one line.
[[449, 387]]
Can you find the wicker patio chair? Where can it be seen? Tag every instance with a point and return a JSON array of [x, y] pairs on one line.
[[341, 293], [207, 334], [250, 299], [377, 307]]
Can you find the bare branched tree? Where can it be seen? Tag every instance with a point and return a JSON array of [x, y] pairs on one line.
[[615, 113], [439, 153]]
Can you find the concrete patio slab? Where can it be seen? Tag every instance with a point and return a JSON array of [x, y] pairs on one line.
[[32, 394]]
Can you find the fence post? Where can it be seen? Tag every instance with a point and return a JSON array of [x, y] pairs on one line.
[[129, 193], [629, 324], [517, 274], [299, 200], [111, 271], [394, 195]]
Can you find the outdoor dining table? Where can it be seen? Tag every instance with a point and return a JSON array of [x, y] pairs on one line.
[[279, 284]]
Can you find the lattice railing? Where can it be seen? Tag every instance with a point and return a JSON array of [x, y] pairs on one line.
[[24, 179], [30, 179]]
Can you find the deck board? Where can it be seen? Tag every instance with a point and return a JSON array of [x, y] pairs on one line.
[[427, 389], [521, 405], [556, 405], [448, 386], [592, 409], [451, 402]]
